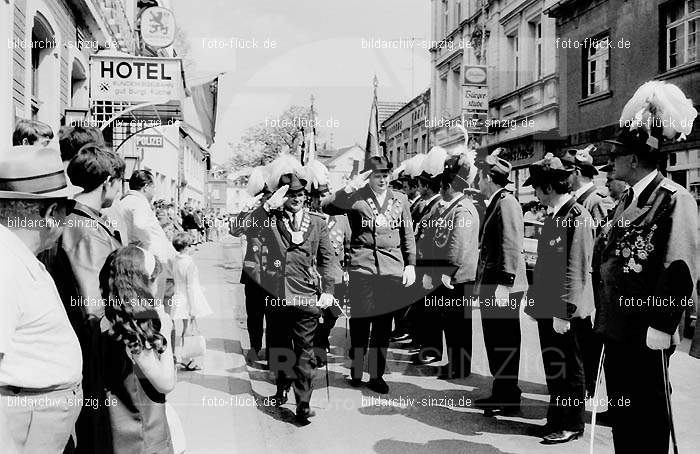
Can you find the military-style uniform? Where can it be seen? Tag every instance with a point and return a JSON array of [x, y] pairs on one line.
[[294, 257], [562, 288], [381, 244], [250, 278], [454, 233], [501, 262], [644, 267], [339, 234], [426, 334]]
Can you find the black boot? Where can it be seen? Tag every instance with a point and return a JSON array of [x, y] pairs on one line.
[[279, 398], [304, 412]]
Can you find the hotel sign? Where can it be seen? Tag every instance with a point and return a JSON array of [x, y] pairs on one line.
[[135, 79]]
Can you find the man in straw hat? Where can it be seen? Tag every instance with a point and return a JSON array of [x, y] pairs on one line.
[[40, 357], [382, 260], [644, 273], [500, 283], [298, 246], [562, 297]]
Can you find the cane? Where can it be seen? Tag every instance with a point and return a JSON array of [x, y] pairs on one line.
[[667, 393], [598, 380], [328, 385]]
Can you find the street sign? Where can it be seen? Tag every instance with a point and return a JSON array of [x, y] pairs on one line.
[[149, 141], [157, 27], [135, 79]]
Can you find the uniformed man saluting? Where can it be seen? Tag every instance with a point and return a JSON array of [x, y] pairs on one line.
[[562, 297], [644, 269], [294, 238], [382, 259], [500, 283]]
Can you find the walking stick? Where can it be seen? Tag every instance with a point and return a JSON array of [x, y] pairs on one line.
[[598, 380], [328, 385], [667, 393]]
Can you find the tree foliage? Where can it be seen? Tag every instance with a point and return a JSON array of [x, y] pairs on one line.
[[263, 142]]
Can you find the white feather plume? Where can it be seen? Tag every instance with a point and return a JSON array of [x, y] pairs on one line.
[[316, 173], [467, 155], [283, 164], [413, 165], [658, 103], [396, 173], [434, 162], [256, 180]]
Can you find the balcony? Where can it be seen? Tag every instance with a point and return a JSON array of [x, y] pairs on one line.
[[528, 100]]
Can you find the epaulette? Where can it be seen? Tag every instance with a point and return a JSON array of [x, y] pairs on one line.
[[667, 185]]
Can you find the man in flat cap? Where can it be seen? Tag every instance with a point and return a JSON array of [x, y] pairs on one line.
[[644, 271], [298, 246], [500, 283], [382, 261], [562, 297]]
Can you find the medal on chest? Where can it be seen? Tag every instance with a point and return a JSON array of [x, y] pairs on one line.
[[298, 236]]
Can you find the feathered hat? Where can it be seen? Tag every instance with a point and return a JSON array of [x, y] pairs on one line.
[[657, 110], [257, 181], [434, 164], [460, 167], [317, 175], [409, 168], [284, 164], [547, 170]]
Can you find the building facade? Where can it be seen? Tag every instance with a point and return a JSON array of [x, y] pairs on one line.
[[509, 38], [406, 132], [607, 49]]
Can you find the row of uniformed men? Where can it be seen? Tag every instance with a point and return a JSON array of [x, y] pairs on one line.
[[379, 236]]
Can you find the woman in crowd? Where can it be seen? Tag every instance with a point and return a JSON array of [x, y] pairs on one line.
[[140, 369]]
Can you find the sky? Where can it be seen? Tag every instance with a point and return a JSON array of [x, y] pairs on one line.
[[276, 53]]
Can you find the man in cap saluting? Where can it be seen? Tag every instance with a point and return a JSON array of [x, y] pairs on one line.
[[382, 260], [296, 239], [500, 283]]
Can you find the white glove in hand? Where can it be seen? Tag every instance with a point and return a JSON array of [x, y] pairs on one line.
[[560, 326], [447, 281], [409, 275], [325, 300], [357, 182], [657, 340], [427, 282], [277, 199], [501, 296]]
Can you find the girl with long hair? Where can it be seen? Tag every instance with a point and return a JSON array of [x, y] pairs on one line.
[[140, 368]]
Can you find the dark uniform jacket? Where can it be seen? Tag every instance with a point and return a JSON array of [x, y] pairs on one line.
[[453, 231], [561, 283], [501, 261], [254, 253], [374, 249], [647, 254], [424, 240], [290, 270]]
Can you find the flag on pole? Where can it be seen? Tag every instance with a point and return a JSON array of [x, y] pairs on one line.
[[372, 145]]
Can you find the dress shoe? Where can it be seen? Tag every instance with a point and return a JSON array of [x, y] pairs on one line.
[[400, 337], [253, 356], [355, 382], [420, 360], [278, 399], [378, 385], [304, 413], [493, 406], [561, 436]]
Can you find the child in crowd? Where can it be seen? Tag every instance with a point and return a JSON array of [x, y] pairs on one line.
[[189, 302], [140, 368], [32, 132]]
